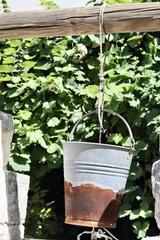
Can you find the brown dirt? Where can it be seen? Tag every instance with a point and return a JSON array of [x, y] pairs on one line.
[[88, 205]]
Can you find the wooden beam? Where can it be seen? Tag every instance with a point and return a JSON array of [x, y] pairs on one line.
[[121, 18]]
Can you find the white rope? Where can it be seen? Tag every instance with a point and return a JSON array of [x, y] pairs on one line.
[[100, 100], [101, 73]]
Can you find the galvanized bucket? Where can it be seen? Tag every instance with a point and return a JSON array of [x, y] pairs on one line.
[[95, 176]]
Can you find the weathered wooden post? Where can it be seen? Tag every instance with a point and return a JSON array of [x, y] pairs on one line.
[[13, 187], [156, 194]]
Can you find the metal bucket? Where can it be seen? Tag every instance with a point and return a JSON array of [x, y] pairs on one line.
[[95, 176]]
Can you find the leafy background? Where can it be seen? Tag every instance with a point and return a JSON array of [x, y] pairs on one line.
[[47, 84]]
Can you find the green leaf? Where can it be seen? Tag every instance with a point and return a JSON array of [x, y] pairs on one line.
[[9, 51], [15, 43], [6, 68], [141, 228], [58, 83], [49, 4], [53, 122], [90, 91], [95, 40], [116, 138], [9, 60], [49, 106], [134, 103], [43, 66], [5, 79], [18, 167], [53, 148], [28, 65], [145, 214], [68, 68], [76, 115], [134, 214], [126, 141], [135, 40], [23, 141], [34, 136], [42, 142], [33, 84], [24, 114]]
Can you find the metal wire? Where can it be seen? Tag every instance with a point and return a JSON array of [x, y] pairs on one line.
[[110, 234], [98, 234], [71, 135]]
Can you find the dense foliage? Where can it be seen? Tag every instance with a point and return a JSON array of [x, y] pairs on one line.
[[47, 84]]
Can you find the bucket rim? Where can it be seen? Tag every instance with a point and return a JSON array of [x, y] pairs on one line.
[[102, 144]]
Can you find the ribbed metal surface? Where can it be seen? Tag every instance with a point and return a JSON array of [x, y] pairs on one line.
[[104, 169], [96, 165], [102, 173]]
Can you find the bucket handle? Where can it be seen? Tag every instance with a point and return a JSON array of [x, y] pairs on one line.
[[71, 135]]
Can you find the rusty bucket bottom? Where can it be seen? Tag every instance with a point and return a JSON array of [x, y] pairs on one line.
[[89, 223], [91, 206]]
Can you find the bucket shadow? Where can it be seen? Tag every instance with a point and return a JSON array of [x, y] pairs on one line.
[[111, 212]]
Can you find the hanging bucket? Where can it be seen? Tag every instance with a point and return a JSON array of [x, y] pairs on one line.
[[95, 176]]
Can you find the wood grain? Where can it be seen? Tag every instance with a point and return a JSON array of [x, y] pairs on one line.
[[144, 17]]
